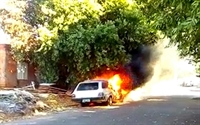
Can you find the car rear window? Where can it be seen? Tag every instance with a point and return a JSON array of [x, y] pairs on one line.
[[88, 86], [104, 85]]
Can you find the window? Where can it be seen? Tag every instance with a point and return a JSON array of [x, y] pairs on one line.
[[104, 85], [88, 86], [22, 70]]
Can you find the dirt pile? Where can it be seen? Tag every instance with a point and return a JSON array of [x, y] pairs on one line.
[[18, 103], [14, 103]]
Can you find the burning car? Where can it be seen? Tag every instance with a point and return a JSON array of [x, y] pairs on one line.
[[106, 89], [93, 91]]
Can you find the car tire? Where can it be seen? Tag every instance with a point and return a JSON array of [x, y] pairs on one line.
[[109, 101], [83, 104]]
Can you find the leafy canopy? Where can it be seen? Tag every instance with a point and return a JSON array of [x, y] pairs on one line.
[[82, 37], [12, 20], [87, 36], [179, 20]]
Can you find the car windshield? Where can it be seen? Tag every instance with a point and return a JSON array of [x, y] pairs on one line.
[[88, 86]]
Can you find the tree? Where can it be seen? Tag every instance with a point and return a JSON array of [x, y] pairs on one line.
[[81, 38], [22, 34], [179, 20], [86, 37], [18, 19]]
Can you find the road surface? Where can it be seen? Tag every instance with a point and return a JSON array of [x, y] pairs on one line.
[[155, 111]]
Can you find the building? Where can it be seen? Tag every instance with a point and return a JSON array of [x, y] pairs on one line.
[[12, 73]]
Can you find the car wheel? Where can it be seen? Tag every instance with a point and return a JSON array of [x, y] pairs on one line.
[[109, 101], [83, 104]]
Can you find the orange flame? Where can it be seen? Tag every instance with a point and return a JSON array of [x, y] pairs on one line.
[[120, 84], [115, 82]]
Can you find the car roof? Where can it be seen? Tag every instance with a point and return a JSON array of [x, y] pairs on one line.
[[97, 80]]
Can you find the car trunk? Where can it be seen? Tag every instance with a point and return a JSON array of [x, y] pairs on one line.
[[86, 94]]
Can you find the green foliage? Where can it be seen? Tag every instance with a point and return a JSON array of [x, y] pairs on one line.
[[22, 34], [89, 36], [198, 68], [83, 36], [179, 20]]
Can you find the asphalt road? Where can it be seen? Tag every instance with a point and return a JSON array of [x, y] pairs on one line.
[[159, 111]]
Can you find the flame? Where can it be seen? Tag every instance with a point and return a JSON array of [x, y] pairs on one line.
[[119, 83], [115, 82]]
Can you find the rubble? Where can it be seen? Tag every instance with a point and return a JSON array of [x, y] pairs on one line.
[[16, 101], [19, 102]]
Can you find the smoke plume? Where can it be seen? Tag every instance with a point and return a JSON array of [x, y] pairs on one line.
[[158, 70]]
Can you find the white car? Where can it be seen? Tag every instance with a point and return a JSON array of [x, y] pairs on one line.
[[96, 91]]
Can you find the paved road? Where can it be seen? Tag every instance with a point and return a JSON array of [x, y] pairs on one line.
[[160, 111]]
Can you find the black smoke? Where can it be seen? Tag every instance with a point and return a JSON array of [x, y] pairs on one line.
[[139, 66]]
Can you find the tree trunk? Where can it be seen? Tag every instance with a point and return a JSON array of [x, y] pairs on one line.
[[63, 74]]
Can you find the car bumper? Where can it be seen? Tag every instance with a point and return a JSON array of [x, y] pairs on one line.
[[97, 100]]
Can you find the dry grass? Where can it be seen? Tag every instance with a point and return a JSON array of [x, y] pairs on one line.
[[57, 102]]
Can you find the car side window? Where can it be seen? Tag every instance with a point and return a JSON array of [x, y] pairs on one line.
[[104, 85]]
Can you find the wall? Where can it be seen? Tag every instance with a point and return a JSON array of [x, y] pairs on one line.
[[8, 70], [7, 67], [2, 65]]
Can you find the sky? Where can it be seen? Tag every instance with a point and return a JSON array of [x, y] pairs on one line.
[[2, 3], [5, 39]]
